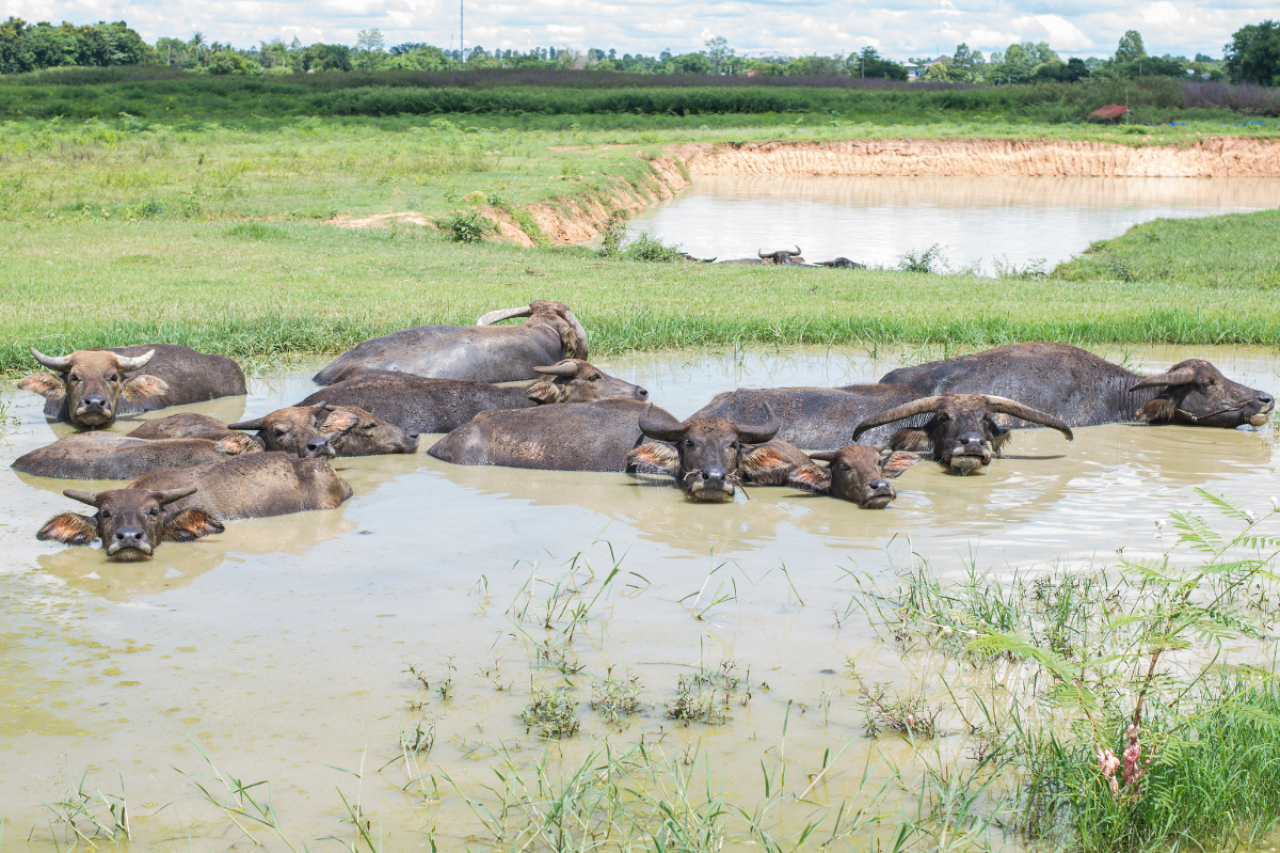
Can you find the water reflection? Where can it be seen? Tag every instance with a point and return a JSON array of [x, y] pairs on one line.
[[875, 220]]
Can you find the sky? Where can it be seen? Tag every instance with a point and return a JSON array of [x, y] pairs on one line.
[[898, 29]]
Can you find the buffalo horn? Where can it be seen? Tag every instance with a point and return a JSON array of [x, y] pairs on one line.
[[662, 429], [823, 456], [90, 498], [582, 336], [170, 495], [760, 254], [797, 251], [564, 368], [923, 406], [135, 362], [762, 433], [256, 423], [61, 362], [1181, 376], [504, 314], [1005, 406]]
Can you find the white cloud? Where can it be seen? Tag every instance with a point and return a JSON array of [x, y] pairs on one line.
[[1058, 31], [1161, 14]]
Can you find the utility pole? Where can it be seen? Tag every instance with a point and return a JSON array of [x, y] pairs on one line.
[[462, 49]]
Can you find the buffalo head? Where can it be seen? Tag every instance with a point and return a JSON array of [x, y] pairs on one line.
[[781, 257], [961, 432], [704, 455], [575, 381], [354, 432], [856, 473], [292, 430], [91, 383], [130, 522], [553, 315], [1196, 392]]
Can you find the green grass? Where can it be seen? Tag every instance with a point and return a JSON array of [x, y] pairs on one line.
[[1234, 251]]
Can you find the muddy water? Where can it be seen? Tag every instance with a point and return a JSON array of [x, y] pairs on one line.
[[979, 221], [280, 647]]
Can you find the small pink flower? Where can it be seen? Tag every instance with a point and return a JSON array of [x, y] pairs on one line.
[[1132, 760], [1109, 764]]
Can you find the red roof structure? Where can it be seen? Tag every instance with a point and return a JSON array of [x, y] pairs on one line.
[[1111, 112]]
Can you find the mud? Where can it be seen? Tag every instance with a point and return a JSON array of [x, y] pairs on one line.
[[280, 646]]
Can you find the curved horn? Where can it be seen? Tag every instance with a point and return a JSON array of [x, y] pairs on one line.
[[1181, 376], [662, 429], [90, 498], [318, 408], [170, 495], [823, 456], [764, 432], [925, 405], [1005, 406], [504, 314], [797, 251], [256, 423], [562, 368], [61, 362], [581, 333], [760, 254], [136, 362]]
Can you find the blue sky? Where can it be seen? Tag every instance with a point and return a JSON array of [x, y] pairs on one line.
[[898, 29]]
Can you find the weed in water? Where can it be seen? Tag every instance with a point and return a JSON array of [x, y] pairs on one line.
[[87, 816], [886, 709], [553, 713], [615, 699]]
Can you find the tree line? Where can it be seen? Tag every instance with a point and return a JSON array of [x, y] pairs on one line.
[[1253, 56]]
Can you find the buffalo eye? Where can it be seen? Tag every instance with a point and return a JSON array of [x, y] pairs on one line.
[[280, 431], [943, 417], [595, 378], [154, 511], [103, 514], [113, 378], [74, 378], [733, 445], [368, 426], [842, 466]]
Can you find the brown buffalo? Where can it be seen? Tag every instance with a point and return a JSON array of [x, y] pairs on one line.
[[484, 352], [130, 522], [855, 473], [90, 388], [961, 432], [323, 431], [704, 455], [103, 455]]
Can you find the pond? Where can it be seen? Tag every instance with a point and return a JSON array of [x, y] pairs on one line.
[[976, 221], [281, 647]]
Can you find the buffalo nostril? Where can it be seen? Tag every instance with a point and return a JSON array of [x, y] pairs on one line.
[[879, 484], [413, 435], [119, 536], [643, 393], [1265, 398]]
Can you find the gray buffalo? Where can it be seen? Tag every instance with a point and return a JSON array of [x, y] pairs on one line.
[[485, 352], [131, 522], [90, 388], [321, 430], [812, 418], [103, 455], [1082, 389], [782, 257], [705, 456], [855, 473], [583, 437], [441, 405], [961, 432]]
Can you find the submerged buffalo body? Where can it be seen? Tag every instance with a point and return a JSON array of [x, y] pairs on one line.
[[813, 418], [1083, 390], [584, 437], [102, 455], [441, 405], [314, 431], [90, 388], [130, 522], [782, 257], [483, 352], [254, 486]]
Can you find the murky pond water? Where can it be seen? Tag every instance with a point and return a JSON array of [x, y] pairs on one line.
[[280, 646], [875, 221]]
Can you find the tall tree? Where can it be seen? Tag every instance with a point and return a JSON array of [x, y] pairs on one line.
[[1130, 48], [718, 51], [1254, 54]]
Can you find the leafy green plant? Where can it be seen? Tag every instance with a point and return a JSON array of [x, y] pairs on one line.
[[553, 713], [466, 227]]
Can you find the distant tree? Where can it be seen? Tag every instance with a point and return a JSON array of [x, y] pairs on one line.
[[322, 57], [226, 62], [272, 54], [815, 66], [690, 63], [1200, 57], [1253, 56], [1130, 48], [869, 63], [718, 52], [370, 49]]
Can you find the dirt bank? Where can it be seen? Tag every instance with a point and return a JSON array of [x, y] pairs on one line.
[[1210, 158]]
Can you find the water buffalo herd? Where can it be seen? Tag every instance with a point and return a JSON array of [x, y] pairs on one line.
[[190, 473]]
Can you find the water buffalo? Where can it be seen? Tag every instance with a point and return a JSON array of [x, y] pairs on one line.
[[103, 455], [441, 405], [961, 432], [89, 388], [1083, 389], [781, 257], [484, 352], [584, 437], [321, 430], [706, 456], [691, 259], [812, 418], [131, 522], [855, 473], [840, 264]]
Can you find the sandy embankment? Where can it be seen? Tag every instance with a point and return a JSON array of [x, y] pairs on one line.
[[576, 219]]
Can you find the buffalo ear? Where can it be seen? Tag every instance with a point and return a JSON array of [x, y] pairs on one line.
[[143, 386], [190, 524], [895, 463], [765, 465], [70, 528], [1159, 409], [237, 445], [545, 391], [810, 477], [910, 438], [653, 457], [339, 423], [45, 384]]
